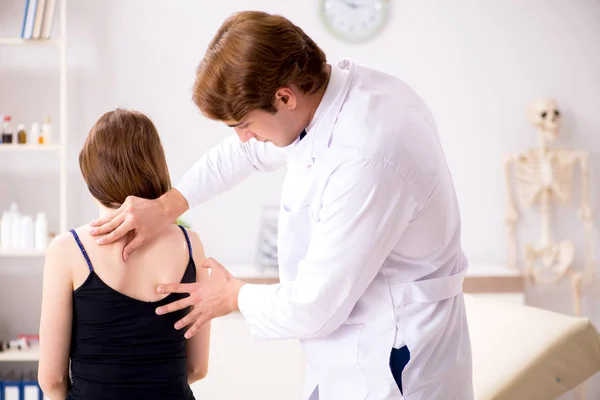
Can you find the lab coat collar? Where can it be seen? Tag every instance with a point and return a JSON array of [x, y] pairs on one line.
[[318, 132]]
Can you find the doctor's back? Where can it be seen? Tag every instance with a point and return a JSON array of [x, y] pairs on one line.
[[418, 288], [381, 142]]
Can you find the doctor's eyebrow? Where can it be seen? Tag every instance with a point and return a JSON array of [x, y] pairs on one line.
[[235, 125]]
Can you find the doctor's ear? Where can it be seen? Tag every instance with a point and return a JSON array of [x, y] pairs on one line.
[[285, 97]]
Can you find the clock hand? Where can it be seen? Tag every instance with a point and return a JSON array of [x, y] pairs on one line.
[[350, 4]]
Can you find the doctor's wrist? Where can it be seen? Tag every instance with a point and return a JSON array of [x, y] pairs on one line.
[[235, 287], [173, 204]]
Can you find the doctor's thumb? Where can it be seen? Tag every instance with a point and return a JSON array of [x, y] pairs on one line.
[[211, 263], [131, 247]]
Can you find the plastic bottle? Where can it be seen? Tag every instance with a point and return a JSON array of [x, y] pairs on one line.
[[47, 131], [36, 135], [21, 134], [5, 230], [7, 135], [41, 231], [15, 227], [27, 240]]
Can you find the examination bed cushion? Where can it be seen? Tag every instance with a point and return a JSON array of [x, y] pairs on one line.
[[522, 352]]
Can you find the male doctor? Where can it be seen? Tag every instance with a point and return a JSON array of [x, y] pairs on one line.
[[371, 266]]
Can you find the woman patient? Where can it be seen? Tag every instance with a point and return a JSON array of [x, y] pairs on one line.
[[99, 312]]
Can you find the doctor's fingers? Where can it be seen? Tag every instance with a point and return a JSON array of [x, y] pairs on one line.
[[107, 223], [211, 263], [192, 316], [124, 225], [178, 288], [105, 219], [202, 319], [132, 246], [175, 306]]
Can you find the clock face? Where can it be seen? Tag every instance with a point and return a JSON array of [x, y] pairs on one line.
[[354, 20]]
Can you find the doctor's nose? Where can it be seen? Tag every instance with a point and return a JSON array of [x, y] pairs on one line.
[[245, 135]]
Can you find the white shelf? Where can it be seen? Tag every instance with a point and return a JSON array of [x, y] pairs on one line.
[[20, 355], [30, 147], [22, 253], [492, 270], [28, 42], [248, 271]]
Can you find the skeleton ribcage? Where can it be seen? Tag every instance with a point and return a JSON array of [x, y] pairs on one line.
[[554, 172]]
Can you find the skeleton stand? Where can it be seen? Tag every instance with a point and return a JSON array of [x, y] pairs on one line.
[[544, 175]]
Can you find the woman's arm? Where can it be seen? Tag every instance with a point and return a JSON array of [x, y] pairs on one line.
[[55, 324], [197, 347]]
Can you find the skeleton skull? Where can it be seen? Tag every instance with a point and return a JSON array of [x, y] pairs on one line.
[[543, 114]]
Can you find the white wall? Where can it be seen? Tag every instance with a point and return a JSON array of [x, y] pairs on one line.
[[477, 64]]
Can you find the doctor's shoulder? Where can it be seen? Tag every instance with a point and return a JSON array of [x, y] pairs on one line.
[[389, 95]]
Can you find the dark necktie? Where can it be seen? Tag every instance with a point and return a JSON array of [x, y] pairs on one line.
[[302, 134]]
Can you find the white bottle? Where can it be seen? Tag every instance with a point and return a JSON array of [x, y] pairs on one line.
[[5, 230], [47, 131], [27, 240], [15, 227], [36, 136], [41, 232]]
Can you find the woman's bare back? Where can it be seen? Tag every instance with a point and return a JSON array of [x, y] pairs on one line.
[[163, 260]]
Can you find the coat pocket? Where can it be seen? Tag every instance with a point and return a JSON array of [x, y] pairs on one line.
[[334, 360]]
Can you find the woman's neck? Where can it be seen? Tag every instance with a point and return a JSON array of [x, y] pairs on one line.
[[104, 211]]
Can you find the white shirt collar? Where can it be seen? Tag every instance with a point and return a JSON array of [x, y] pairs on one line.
[[336, 82], [319, 129]]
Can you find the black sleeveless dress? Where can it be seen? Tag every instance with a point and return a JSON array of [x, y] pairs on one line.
[[121, 349]]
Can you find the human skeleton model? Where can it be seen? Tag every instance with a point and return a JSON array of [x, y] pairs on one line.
[[545, 175]]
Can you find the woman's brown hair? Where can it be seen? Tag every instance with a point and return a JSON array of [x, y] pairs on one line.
[[252, 55], [123, 156]]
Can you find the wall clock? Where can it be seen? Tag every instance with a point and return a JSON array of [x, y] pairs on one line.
[[354, 21]]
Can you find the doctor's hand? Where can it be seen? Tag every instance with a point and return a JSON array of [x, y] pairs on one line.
[[147, 218], [215, 296]]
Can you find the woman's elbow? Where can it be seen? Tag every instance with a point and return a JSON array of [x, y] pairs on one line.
[[197, 374], [50, 383]]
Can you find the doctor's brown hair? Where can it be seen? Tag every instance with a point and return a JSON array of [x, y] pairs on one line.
[[252, 55], [123, 156]]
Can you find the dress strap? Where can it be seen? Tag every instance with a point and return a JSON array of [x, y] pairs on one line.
[[187, 238], [85, 255]]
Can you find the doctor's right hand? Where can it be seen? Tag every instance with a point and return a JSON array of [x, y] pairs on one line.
[[146, 217]]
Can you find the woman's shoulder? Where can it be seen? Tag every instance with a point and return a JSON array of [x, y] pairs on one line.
[[196, 249], [63, 251], [66, 240], [176, 232], [193, 235], [170, 238]]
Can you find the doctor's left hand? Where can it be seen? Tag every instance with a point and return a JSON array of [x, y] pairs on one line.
[[213, 297]]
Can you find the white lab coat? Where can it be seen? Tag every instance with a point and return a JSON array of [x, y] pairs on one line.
[[369, 243]]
